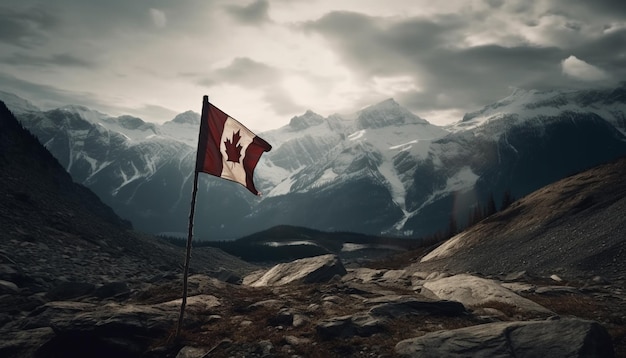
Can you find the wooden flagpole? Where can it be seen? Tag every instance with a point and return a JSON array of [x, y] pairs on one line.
[[192, 210]]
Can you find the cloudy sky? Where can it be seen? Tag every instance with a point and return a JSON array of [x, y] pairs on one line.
[[264, 61]]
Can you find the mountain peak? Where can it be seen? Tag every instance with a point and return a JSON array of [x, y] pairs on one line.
[[308, 119], [188, 117], [388, 103], [130, 122], [386, 113]]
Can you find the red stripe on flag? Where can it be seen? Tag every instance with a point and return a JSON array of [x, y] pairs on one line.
[[209, 159], [253, 154]]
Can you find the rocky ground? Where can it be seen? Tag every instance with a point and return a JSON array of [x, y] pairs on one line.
[[308, 308]]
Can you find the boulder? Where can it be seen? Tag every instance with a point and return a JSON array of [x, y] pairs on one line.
[[362, 325], [308, 270], [382, 277], [225, 276], [8, 287], [474, 291], [552, 338], [117, 289], [24, 343], [111, 329], [192, 352], [69, 290]]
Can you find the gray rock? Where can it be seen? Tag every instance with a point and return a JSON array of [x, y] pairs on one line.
[[47, 314], [556, 290], [7, 287], [192, 352], [294, 341], [283, 318], [226, 276], [69, 290], [266, 347], [550, 338], [402, 306], [24, 343], [362, 325], [19, 303], [308, 270], [474, 291], [113, 328], [112, 290], [299, 320], [556, 278], [266, 303], [381, 277]]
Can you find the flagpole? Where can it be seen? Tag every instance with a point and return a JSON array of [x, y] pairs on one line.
[[192, 210]]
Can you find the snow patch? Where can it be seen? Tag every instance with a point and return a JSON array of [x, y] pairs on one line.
[[289, 243], [395, 184], [351, 247], [282, 188], [405, 146], [357, 135], [463, 180], [328, 175]]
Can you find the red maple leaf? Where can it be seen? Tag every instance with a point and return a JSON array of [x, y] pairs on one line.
[[233, 149]]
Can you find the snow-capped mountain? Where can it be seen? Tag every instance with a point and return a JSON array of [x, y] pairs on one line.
[[380, 170]]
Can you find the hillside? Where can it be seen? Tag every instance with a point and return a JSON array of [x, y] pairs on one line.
[[53, 230], [574, 227]]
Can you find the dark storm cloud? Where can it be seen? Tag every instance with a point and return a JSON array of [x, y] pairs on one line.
[[253, 14], [430, 50], [495, 3], [243, 71], [65, 60], [596, 50], [282, 102], [472, 77], [25, 28], [610, 7], [54, 96], [247, 73], [379, 47]]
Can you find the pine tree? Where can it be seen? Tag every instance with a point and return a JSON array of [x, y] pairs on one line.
[[507, 200], [490, 208]]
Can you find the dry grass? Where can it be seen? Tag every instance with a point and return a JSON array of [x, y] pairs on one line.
[[244, 324]]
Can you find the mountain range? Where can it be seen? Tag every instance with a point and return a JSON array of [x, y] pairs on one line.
[[381, 170]]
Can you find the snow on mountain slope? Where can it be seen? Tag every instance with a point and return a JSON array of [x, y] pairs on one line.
[[374, 135], [184, 127], [379, 170], [529, 105]]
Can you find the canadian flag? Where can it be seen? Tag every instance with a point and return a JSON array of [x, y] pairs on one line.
[[227, 149]]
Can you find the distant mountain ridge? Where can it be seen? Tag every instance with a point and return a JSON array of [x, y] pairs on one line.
[[382, 170]]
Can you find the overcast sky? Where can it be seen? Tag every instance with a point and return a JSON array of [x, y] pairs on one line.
[[265, 61]]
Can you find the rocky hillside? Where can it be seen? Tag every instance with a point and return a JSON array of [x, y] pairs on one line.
[[48, 220], [574, 227]]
